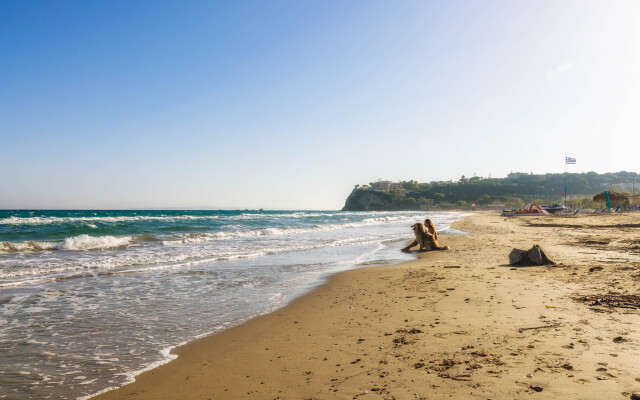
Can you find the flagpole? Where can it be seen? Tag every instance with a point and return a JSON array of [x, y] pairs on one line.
[[567, 160], [565, 184]]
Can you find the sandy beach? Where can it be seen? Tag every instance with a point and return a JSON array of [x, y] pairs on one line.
[[452, 324]]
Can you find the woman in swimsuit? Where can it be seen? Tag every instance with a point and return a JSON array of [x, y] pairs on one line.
[[431, 228]]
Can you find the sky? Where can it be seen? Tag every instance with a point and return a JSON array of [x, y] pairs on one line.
[[289, 104]]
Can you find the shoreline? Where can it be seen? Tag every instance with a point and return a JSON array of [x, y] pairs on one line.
[[456, 323], [322, 279], [173, 352], [188, 276], [194, 345]]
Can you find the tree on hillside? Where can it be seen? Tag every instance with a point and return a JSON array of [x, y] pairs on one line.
[[409, 185]]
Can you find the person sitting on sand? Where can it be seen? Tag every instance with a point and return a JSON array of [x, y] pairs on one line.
[[431, 230]]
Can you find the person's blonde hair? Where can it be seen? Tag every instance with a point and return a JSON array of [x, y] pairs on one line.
[[431, 227]]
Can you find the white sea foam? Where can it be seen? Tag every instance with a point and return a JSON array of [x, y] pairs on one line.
[[81, 242], [14, 247], [62, 220], [86, 242], [137, 253], [13, 220], [167, 355], [150, 260], [206, 237]]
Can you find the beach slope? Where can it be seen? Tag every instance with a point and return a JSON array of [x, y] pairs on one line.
[[453, 324]]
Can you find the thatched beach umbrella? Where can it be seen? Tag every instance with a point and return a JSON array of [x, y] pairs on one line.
[[616, 198]]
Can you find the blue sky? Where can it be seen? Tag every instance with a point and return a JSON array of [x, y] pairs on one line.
[[288, 104]]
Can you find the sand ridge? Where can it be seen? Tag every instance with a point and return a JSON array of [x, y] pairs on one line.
[[453, 324]]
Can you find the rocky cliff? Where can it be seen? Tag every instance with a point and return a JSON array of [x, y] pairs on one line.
[[367, 200], [372, 200]]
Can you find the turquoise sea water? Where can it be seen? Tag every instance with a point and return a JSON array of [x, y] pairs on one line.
[[89, 299]]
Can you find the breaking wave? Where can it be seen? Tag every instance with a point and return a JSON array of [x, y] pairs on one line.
[[81, 242], [89, 220], [65, 220], [88, 242]]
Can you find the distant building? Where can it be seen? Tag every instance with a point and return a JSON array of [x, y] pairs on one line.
[[386, 185], [381, 185], [578, 196], [516, 175]]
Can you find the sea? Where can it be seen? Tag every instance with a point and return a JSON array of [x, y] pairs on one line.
[[91, 298]]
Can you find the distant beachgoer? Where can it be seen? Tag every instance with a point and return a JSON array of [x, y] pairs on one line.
[[431, 228]]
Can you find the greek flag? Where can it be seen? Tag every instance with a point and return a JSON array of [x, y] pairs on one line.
[[569, 160]]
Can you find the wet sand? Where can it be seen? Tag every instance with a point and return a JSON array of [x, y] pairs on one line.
[[458, 324]]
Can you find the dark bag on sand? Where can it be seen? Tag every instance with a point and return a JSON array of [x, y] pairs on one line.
[[536, 256]]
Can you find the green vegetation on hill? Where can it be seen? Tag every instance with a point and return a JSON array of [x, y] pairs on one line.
[[487, 191]]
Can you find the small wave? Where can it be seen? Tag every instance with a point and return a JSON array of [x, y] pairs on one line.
[[86, 242], [139, 262], [88, 220], [16, 247], [208, 237], [378, 220], [82, 242], [214, 236]]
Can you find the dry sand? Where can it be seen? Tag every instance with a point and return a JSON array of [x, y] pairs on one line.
[[457, 324]]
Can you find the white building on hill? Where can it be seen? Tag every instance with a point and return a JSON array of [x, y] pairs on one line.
[[386, 185]]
